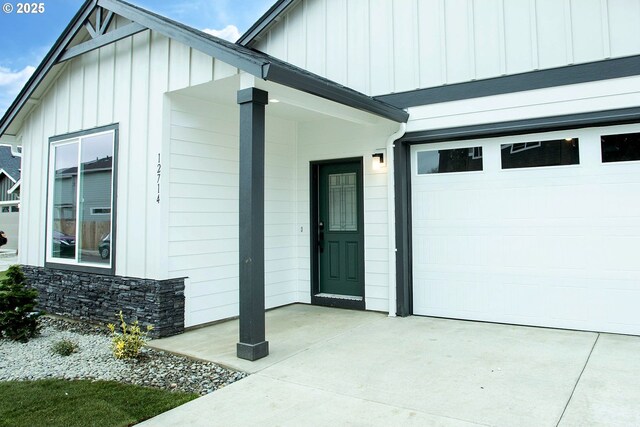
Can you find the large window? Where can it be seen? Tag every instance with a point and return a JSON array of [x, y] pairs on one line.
[[81, 179]]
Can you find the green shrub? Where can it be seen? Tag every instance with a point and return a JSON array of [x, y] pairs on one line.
[[64, 347], [127, 343], [18, 316]]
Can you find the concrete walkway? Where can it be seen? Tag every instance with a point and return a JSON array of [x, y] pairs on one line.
[[341, 367], [7, 258]]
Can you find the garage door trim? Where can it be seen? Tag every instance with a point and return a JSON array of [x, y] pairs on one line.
[[402, 173]]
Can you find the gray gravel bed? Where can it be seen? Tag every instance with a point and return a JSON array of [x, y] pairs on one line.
[[93, 360]]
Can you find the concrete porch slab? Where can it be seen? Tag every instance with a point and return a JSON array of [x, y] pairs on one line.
[[332, 366], [478, 372], [290, 330]]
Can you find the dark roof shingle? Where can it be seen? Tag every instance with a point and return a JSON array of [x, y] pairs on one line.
[[10, 163]]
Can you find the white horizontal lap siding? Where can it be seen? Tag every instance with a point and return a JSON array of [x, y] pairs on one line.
[[338, 140], [120, 83], [281, 264], [384, 46], [203, 214]]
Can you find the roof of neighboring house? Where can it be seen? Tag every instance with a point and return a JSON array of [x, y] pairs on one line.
[[251, 61], [270, 17], [97, 165], [9, 163]]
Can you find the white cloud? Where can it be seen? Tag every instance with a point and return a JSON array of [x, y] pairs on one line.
[[11, 82], [230, 33], [10, 78]]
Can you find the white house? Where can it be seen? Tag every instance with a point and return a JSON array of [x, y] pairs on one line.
[[453, 158]]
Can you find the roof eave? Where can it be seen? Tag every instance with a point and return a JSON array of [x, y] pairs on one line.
[[177, 31], [329, 90], [265, 21], [47, 63], [252, 62]]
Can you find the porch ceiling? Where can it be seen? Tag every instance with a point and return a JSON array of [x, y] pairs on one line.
[[291, 104]]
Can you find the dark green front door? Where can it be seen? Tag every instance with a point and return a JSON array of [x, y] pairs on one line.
[[340, 236]]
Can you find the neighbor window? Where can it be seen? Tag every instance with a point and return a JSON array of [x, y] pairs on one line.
[[540, 153], [620, 148], [81, 198], [100, 211], [452, 160]]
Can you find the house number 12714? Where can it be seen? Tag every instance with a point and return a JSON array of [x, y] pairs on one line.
[[159, 172]]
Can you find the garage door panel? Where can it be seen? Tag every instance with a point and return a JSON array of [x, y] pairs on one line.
[[551, 246]]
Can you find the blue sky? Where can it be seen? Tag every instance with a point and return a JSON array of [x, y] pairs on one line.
[[26, 38]]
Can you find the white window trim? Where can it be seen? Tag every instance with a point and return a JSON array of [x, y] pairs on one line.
[[50, 184], [476, 152], [527, 146]]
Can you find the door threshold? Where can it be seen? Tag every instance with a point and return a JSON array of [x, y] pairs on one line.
[[337, 296], [339, 301]]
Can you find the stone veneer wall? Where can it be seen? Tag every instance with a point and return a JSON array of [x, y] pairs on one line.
[[97, 298]]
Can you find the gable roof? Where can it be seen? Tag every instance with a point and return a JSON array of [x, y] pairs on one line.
[[251, 61], [46, 65], [9, 163], [16, 187], [97, 165]]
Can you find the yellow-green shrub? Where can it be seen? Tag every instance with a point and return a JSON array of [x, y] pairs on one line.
[[129, 339]]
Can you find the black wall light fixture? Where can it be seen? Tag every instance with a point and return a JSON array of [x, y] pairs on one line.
[[377, 160]]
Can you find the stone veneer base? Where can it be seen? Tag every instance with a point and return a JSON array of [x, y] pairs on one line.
[[97, 298]]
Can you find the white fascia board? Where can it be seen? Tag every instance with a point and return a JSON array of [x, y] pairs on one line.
[[15, 187], [2, 171], [13, 141]]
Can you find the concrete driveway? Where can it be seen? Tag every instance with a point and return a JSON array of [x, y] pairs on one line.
[[341, 367]]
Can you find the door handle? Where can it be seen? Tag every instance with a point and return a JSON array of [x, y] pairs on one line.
[[321, 236]]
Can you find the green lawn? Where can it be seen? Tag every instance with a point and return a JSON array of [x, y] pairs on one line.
[[82, 403]]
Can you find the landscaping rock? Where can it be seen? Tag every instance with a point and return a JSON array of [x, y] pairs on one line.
[[93, 360]]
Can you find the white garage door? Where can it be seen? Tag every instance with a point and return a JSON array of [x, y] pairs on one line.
[[538, 229]]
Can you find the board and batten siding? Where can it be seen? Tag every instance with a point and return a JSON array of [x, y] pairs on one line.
[[203, 216], [122, 83], [334, 139], [5, 185], [385, 46]]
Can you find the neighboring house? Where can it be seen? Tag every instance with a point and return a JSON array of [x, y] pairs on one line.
[[461, 159], [10, 196], [91, 223]]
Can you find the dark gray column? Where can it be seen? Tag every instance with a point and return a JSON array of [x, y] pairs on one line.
[[252, 345], [402, 179]]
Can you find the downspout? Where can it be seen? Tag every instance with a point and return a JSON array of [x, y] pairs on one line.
[[391, 215]]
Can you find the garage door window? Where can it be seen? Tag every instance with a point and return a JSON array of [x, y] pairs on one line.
[[535, 154], [445, 161], [620, 148]]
